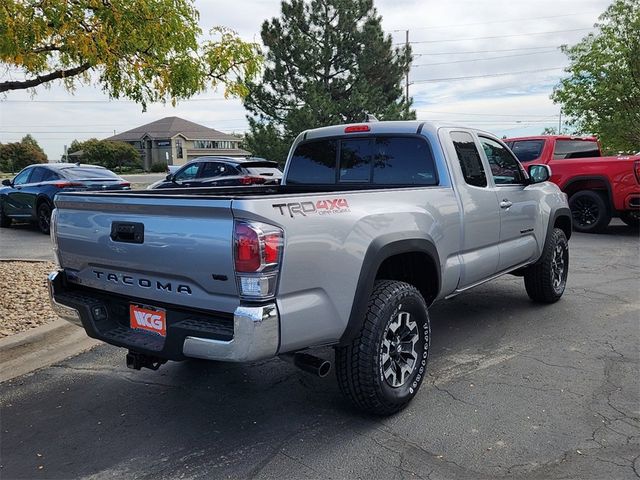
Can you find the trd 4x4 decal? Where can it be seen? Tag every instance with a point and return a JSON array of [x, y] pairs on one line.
[[319, 207]]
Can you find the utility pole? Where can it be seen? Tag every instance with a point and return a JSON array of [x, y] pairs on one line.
[[560, 123], [407, 74]]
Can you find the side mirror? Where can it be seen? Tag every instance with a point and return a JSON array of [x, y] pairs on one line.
[[169, 178], [6, 183], [539, 173]]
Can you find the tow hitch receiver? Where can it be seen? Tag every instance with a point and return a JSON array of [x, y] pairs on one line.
[[136, 361]]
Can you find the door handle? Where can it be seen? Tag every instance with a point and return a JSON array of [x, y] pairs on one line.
[[505, 203]]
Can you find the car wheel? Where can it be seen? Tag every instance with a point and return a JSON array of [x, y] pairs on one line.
[[381, 370], [5, 221], [631, 218], [589, 211], [546, 280], [44, 217]]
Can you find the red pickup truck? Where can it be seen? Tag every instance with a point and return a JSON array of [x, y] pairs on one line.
[[598, 187]]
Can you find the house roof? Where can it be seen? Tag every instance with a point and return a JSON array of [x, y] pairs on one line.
[[169, 127]]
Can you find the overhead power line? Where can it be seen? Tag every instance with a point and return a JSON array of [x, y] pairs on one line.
[[497, 36], [430, 27], [487, 75], [480, 59], [488, 114], [484, 51]]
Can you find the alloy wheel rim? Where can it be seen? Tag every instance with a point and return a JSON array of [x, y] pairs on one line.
[[44, 218], [558, 267], [399, 356], [586, 211]]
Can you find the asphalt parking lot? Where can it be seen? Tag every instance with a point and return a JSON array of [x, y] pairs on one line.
[[24, 241], [515, 390]]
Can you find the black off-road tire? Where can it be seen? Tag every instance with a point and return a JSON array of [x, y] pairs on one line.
[[5, 222], [43, 219], [631, 218], [359, 365], [543, 282], [590, 211]]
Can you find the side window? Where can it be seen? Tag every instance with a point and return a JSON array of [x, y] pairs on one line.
[[188, 173], [50, 176], [22, 177], [469, 159], [38, 174], [575, 149], [313, 163], [211, 169], [506, 170]]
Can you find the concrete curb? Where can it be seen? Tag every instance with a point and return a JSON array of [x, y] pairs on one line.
[[40, 347], [27, 260]]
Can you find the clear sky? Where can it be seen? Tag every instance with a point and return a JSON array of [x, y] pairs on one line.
[[506, 50]]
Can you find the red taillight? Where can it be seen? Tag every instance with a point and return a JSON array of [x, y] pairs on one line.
[[67, 184], [272, 244], [248, 258], [356, 128], [125, 184], [636, 170], [251, 180]]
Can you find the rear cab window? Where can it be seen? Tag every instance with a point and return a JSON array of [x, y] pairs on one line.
[[527, 150], [383, 160], [566, 148]]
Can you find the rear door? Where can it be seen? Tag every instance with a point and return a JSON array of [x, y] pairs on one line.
[[481, 217], [519, 206]]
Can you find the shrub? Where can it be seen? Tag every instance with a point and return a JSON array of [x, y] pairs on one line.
[[159, 167]]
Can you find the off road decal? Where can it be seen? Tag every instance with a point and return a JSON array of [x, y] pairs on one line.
[[320, 207]]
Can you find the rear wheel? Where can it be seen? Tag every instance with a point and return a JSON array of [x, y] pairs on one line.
[[546, 280], [383, 368], [589, 211], [44, 217], [631, 218]]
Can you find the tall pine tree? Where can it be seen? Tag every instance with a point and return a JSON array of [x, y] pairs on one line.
[[327, 62]]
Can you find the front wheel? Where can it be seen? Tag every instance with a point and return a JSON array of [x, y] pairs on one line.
[[5, 221], [382, 369], [546, 280], [631, 218], [44, 217]]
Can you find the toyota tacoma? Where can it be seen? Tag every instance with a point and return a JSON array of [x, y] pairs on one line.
[[372, 224]]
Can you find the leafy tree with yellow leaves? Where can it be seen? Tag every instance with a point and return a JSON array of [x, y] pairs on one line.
[[143, 50]]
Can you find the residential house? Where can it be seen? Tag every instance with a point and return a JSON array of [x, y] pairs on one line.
[[175, 141]]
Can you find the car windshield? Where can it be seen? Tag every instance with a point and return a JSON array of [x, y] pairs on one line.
[[85, 173], [527, 150]]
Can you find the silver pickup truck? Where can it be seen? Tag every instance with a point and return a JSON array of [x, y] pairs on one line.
[[372, 224]]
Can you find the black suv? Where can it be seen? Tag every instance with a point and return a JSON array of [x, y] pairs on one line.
[[222, 172]]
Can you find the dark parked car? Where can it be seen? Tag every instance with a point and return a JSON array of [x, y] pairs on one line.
[[222, 172], [29, 196]]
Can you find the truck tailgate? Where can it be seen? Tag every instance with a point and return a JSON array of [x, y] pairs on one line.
[[169, 250]]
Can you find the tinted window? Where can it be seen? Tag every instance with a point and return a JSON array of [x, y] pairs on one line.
[[355, 159], [527, 150], [469, 159], [576, 149], [22, 177], [216, 169], [387, 161], [38, 175], [506, 170], [50, 176], [403, 161], [86, 173], [188, 173], [313, 163]]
